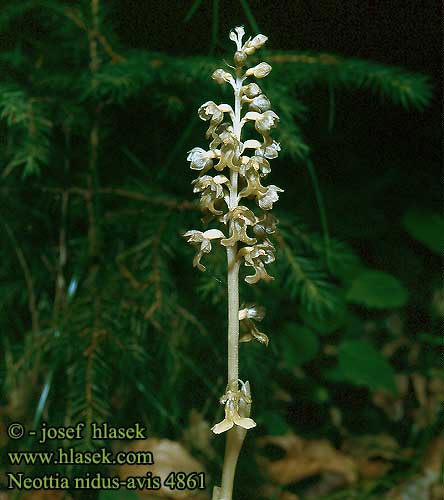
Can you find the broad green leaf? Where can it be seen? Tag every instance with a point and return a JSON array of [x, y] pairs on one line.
[[327, 324], [299, 344], [377, 289], [362, 364], [426, 227]]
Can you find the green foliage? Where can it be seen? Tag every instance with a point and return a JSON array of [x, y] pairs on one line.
[[395, 84], [298, 344], [328, 323], [361, 364], [426, 227], [377, 289], [29, 127]]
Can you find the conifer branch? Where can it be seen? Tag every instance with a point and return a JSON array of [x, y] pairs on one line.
[[59, 293], [32, 300]]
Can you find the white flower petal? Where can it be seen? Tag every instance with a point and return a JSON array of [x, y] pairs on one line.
[[252, 115], [220, 179], [259, 71], [258, 41], [212, 234], [260, 103], [226, 108], [251, 90], [246, 423], [194, 236], [223, 426], [251, 144]]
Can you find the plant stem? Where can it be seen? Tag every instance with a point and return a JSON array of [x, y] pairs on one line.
[[233, 315], [236, 435]]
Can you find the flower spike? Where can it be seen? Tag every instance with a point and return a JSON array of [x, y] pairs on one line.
[[231, 174]]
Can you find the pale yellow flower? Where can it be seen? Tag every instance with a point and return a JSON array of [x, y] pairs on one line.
[[266, 199], [240, 217], [257, 257], [200, 159], [234, 401], [220, 76], [259, 71], [202, 240], [251, 90], [211, 189], [251, 46]]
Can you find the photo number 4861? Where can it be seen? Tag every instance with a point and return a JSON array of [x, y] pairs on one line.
[[183, 481]]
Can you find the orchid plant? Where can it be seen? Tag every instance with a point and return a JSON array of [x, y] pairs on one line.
[[240, 169]]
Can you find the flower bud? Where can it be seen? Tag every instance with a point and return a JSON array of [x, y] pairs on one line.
[[260, 103], [251, 90], [239, 58], [251, 311], [258, 41], [251, 46], [259, 71], [220, 76]]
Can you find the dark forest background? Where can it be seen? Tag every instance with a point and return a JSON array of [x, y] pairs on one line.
[[103, 317]]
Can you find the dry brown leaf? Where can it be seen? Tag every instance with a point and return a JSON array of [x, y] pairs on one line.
[[305, 458], [433, 459], [198, 434], [328, 482], [374, 452], [286, 495], [393, 405], [275, 492], [419, 383], [371, 469], [372, 446], [430, 396], [428, 485], [169, 456]]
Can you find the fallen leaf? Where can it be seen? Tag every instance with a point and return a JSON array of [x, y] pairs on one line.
[[169, 456], [305, 458], [393, 405], [275, 492], [371, 446], [371, 469], [419, 383], [328, 482], [198, 435], [433, 459]]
